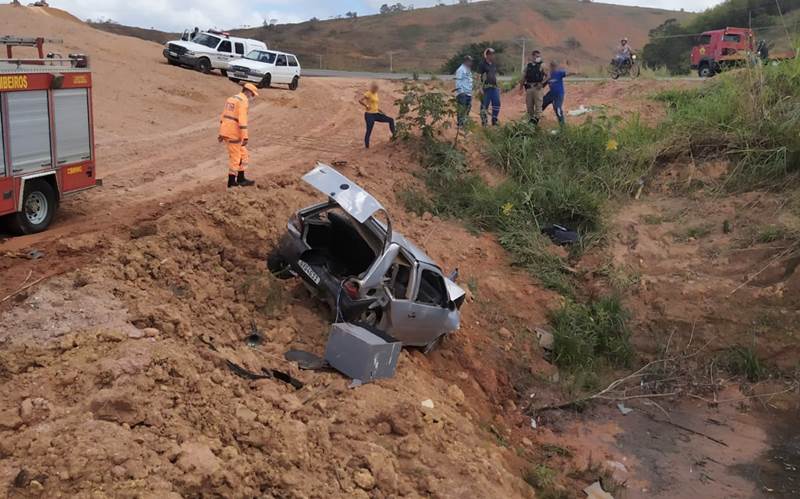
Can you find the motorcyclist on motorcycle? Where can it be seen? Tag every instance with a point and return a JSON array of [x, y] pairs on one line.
[[624, 54]]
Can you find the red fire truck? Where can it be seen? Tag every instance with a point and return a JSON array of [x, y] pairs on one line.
[[720, 49], [46, 134]]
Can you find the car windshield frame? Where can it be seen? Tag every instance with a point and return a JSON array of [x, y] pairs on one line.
[[205, 40], [259, 54]]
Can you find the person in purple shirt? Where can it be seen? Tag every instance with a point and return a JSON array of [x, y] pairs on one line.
[[555, 95]]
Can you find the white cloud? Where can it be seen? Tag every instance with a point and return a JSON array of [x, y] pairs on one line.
[[180, 14]]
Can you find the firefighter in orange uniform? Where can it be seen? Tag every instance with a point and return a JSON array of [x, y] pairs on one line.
[[233, 132]]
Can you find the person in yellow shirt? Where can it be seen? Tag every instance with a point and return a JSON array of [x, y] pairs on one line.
[[234, 133], [373, 113]]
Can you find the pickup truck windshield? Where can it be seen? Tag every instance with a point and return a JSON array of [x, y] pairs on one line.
[[207, 40], [261, 56]]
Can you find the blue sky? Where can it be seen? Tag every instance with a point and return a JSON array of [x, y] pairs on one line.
[[177, 14]]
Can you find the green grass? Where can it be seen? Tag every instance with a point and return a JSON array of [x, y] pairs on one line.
[[744, 361], [591, 336]]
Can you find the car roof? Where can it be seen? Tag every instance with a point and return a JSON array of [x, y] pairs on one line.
[[416, 252]]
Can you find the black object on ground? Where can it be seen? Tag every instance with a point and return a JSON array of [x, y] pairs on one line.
[[561, 235], [255, 338], [306, 360], [268, 374]]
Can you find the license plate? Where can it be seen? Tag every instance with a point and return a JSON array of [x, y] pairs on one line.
[[240, 75], [173, 54], [309, 271]]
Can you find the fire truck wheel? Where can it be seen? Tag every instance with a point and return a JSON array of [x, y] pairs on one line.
[[38, 208]]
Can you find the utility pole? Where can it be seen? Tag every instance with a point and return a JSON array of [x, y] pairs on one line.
[[522, 64]]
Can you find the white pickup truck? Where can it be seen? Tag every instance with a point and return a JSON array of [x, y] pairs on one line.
[[210, 50]]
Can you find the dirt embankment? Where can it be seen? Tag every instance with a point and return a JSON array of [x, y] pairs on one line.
[[114, 374]]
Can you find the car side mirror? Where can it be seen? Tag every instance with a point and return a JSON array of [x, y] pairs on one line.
[[451, 305]]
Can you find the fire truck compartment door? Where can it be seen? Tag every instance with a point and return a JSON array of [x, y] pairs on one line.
[[29, 132], [73, 141], [6, 182]]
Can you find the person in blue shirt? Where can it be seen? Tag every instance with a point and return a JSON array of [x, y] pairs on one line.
[[464, 91], [555, 95]]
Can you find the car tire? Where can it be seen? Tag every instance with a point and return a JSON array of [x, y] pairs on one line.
[[173, 63], [223, 72], [266, 81], [39, 204], [204, 65], [433, 345], [294, 84]]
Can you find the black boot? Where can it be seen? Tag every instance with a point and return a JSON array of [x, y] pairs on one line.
[[243, 182], [232, 181]]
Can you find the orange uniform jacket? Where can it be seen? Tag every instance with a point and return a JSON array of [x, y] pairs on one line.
[[233, 122]]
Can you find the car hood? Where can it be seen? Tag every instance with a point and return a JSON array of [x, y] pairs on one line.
[[194, 47], [347, 194], [248, 63]]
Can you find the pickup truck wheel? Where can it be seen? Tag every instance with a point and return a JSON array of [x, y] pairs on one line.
[[39, 205], [294, 84], [223, 72], [172, 63], [204, 65], [266, 81]]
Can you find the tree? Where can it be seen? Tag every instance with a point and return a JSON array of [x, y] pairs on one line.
[[476, 50], [351, 15]]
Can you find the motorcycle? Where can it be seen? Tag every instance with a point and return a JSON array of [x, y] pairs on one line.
[[629, 68]]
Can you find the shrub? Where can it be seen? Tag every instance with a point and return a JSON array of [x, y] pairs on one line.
[[589, 335], [743, 361]]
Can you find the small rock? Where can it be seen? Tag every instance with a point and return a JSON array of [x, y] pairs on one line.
[[546, 339], [151, 332], [10, 420], [364, 479], [383, 428], [245, 414], [34, 410], [22, 479], [455, 394], [427, 216], [526, 442], [428, 404], [509, 405], [505, 333], [36, 486], [136, 334]]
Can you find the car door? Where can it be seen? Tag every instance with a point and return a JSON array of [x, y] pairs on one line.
[[294, 67], [423, 318], [224, 54], [281, 74]]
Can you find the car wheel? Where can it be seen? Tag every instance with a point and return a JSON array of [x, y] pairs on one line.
[[370, 317], [204, 65], [266, 81], [173, 63], [223, 73], [294, 84], [39, 205], [433, 345], [705, 71]]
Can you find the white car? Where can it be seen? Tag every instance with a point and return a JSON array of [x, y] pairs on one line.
[[266, 68], [210, 50]]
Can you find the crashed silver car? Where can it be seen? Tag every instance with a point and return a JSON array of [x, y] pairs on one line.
[[367, 273]]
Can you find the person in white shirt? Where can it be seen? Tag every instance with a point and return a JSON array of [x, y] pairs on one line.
[[464, 90]]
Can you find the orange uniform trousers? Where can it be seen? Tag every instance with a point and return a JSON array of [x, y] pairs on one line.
[[238, 156]]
